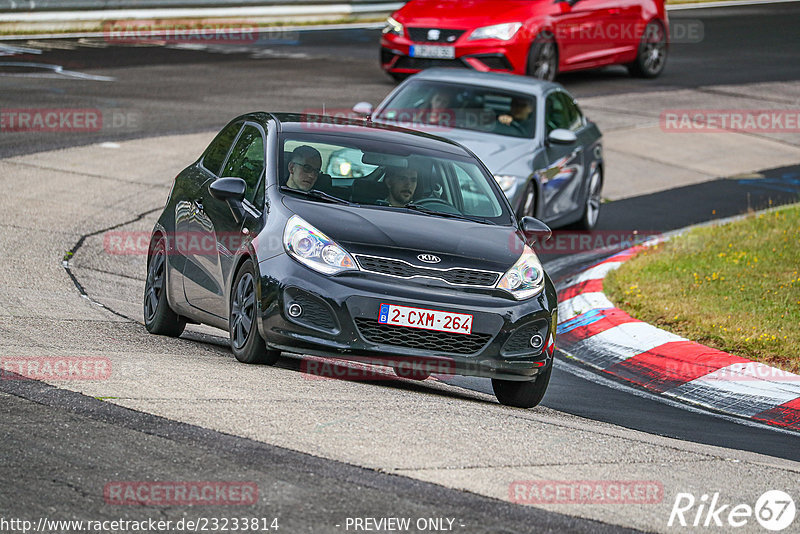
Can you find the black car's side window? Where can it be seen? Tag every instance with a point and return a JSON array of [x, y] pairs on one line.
[[247, 162], [218, 149]]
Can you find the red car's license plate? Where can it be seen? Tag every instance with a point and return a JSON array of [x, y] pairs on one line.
[[458, 323]]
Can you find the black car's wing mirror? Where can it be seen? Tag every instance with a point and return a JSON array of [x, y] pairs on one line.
[[535, 230], [230, 190], [560, 136]]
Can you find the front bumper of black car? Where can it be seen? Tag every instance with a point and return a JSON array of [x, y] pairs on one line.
[[338, 317]]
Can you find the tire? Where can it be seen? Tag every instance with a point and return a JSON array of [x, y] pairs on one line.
[[527, 205], [413, 374], [543, 57], [591, 209], [246, 342], [159, 318], [651, 58], [522, 394]]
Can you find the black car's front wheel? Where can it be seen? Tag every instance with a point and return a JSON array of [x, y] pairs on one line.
[[651, 58], [522, 394], [246, 342], [158, 316]]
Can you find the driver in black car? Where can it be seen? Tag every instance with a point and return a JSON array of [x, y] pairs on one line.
[[402, 184], [304, 168]]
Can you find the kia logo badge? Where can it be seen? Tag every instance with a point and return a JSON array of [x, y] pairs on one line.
[[429, 258]]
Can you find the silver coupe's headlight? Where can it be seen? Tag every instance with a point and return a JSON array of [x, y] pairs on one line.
[[314, 249], [503, 32], [505, 181], [525, 278], [393, 27]]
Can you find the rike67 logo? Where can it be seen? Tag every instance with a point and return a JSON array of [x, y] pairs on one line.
[[775, 510]]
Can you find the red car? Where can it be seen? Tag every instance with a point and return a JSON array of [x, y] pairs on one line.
[[535, 37]]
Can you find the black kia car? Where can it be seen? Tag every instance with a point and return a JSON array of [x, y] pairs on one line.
[[417, 261]]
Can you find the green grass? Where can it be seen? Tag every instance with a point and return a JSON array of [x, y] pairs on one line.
[[734, 287]]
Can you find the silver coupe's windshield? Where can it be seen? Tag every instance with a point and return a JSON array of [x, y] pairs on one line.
[[439, 107], [357, 171]]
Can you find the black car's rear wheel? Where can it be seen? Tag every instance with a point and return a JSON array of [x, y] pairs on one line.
[[158, 316], [652, 55], [591, 209], [246, 342], [543, 57], [522, 394]]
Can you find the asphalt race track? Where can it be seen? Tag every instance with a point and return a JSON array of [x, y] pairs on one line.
[[321, 452]]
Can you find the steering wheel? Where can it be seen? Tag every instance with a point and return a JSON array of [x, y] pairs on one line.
[[438, 202]]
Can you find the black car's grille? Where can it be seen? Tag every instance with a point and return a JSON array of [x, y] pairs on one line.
[[415, 338], [420, 35], [405, 62], [402, 269], [519, 342]]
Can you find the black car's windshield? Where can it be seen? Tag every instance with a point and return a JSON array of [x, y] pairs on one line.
[[366, 173], [440, 106]]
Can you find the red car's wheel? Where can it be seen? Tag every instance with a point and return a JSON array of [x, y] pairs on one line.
[[543, 57], [652, 55]]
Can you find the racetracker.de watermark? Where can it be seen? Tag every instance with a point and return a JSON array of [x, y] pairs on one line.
[[80, 120], [365, 369], [55, 368], [181, 493], [573, 242], [586, 492], [180, 31], [134, 243], [622, 32], [726, 120]]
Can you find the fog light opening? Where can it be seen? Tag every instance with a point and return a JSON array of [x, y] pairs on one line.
[[295, 310], [537, 342]]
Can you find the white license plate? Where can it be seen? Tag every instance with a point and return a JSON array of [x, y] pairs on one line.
[[458, 323], [440, 52]]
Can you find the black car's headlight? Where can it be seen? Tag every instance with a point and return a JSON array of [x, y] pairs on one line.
[[525, 278], [314, 249], [393, 27]]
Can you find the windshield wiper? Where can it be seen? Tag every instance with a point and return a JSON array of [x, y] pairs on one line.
[[427, 211], [316, 193]]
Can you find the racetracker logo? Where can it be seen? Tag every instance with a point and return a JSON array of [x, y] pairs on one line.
[[123, 243], [586, 492], [182, 31], [573, 242], [181, 493], [368, 369], [54, 368], [774, 510], [726, 120], [624, 32], [50, 120]]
